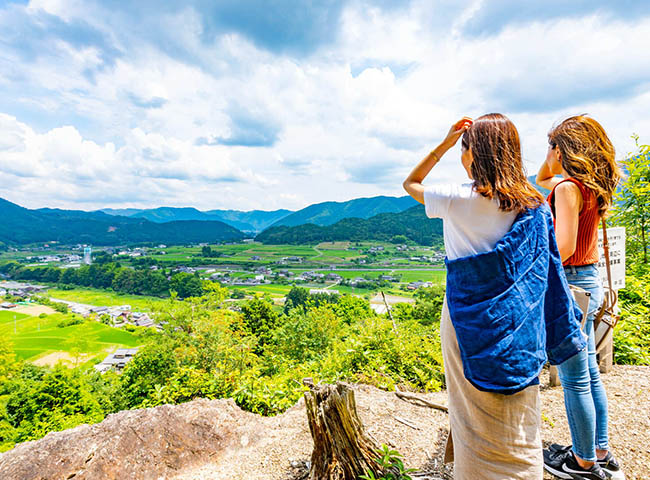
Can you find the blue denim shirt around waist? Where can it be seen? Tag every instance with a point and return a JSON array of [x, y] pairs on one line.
[[512, 308]]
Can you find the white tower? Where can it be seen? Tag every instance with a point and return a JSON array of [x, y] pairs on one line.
[[88, 255]]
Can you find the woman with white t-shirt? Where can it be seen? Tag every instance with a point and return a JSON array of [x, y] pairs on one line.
[[496, 329]]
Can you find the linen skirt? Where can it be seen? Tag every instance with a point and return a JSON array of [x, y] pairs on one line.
[[495, 436]]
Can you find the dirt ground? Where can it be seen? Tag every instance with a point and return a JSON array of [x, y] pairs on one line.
[[419, 433], [53, 358], [33, 310]]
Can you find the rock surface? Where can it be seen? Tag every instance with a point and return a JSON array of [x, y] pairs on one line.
[[136, 444]]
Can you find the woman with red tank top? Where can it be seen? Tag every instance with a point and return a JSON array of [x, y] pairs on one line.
[[580, 151]]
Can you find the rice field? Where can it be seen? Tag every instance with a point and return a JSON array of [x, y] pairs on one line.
[[106, 298], [36, 337]]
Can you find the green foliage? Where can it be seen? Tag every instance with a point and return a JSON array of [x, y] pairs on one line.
[[260, 318], [51, 401], [632, 209], [153, 365], [69, 321], [207, 251], [428, 305], [306, 336], [390, 462], [296, 297], [373, 353], [632, 333]]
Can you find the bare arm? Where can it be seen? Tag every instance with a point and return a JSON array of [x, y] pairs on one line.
[[413, 183], [568, 203], [546, 178]]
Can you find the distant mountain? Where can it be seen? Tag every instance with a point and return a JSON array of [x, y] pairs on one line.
[[172, 214], [328, 213], [542, 190], [412, 223], [21, 226], [125, 212], [253, 221]]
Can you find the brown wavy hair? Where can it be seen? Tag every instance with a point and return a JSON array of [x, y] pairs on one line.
[[588, 156], [497, 167]]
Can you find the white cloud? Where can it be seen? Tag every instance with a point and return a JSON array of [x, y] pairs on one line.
[[141, 126]]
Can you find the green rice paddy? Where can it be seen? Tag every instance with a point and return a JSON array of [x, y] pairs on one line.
[[35, 337]]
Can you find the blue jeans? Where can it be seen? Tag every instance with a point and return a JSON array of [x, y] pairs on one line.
[[584, 395]]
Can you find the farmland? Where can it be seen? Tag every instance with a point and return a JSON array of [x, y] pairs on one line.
[[34, 337]]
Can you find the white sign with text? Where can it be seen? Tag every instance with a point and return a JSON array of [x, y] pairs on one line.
[[616, 238]]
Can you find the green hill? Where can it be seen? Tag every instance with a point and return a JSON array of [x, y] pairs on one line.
[[328, 213], [23, 226], [412, 223]]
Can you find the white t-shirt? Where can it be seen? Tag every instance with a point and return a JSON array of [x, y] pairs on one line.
[[472, 224]]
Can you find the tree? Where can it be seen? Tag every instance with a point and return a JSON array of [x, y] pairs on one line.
[[296, 297], [186, 285], [633, 202], [260, 318], [7, 360], [153, 365]]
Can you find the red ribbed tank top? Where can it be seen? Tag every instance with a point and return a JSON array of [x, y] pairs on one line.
[[587, 242]]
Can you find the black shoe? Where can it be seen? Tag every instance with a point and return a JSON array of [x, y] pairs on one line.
[[611, 467], [564, 465], [609, 464]]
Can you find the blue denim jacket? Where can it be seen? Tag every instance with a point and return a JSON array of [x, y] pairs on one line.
[[511, 307]]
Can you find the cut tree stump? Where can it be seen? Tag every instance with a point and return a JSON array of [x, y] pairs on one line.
[[342, 449]]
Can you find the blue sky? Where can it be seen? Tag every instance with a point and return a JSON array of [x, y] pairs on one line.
[[264, 105]]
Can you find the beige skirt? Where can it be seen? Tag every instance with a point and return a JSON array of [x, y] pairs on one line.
[[495, 437]]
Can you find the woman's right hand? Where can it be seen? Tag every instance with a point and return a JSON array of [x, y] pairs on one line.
[[456, 130]]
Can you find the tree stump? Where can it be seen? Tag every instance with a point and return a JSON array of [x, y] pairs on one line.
[[342, 449]]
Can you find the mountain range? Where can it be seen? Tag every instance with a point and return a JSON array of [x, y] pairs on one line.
[[255, 221], [328, 213], [172, 225], [23, 226], [250, 222]]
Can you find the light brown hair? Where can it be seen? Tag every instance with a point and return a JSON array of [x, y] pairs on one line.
[[497, 167], [588, 155]]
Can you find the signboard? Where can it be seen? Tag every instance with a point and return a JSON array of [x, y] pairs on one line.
[[616, 238]]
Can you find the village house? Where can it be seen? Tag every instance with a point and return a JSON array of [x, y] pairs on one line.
[[418, 284], [388, 278], [314, 291], [117, 360]]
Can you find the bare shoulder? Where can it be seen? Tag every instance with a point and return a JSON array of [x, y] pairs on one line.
[[568, 192]]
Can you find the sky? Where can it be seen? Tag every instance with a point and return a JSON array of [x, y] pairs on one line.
[[236, 104]]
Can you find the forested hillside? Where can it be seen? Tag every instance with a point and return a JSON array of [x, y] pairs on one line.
[[411, 224], [22, 226], [328, 213]]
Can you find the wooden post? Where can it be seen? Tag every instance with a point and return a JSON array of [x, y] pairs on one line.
[[342, 449]]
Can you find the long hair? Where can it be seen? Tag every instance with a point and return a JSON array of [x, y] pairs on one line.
[[588, 156], [497, 167]]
